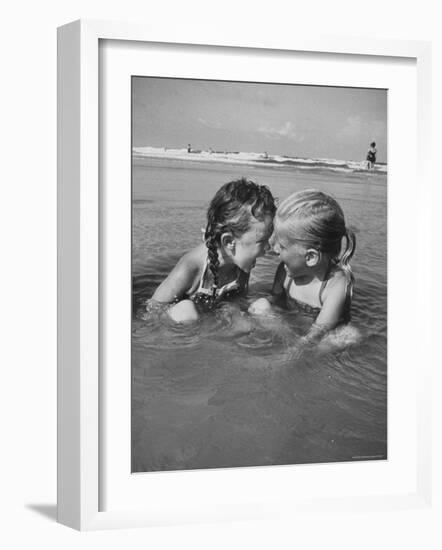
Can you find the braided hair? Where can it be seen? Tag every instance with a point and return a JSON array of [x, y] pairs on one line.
[[232, 209]]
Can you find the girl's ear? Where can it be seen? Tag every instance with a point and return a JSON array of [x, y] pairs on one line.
[[312, 257], [228, 242]]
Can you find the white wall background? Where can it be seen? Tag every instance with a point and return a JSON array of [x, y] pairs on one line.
[[28, 267]]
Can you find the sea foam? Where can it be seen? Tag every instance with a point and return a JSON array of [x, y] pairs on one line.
[[256, 159]]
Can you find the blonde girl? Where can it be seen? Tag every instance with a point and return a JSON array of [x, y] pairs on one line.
[[315, 247]]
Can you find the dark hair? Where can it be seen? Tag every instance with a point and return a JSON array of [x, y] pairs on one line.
[[373, 144], [232, 209]]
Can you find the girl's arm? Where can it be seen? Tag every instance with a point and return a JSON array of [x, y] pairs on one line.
[[278, 290], [330, 316], [263, 306], [179, 281], [332, 309], [328, 319], [244, 283]]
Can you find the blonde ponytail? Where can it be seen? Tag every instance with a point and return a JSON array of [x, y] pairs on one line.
[[344, 260]]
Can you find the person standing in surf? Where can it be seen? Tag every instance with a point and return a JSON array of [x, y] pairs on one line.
[[371, 156]]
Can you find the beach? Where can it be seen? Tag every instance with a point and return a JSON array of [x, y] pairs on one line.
[[203, 397], [254, 159]]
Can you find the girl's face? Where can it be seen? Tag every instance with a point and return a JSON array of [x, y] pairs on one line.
[[252, 244], [293, 255]]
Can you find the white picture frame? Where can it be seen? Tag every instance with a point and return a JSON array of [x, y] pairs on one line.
[[80, 293]]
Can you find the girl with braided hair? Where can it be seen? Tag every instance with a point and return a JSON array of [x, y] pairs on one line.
[[239, 225], [314, 276]]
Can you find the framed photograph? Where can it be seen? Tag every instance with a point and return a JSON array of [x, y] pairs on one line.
[[231, 242], [255, 404]]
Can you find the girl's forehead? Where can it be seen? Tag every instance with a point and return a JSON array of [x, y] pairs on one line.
[[262, 227], [289, 233], [280, 237], [280, 231]]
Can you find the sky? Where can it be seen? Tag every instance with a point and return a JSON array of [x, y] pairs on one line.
[[280, 119]]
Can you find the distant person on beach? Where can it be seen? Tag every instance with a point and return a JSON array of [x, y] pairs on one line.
[[371, 156], [314, 277], [239, 225], [189, 148]]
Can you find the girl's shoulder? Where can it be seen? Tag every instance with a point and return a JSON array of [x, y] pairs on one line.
[[195, 258], [183, 278], [190, 266], [337, 283]]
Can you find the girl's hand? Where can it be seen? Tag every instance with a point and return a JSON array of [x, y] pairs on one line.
[[307, 344], [260, 307]]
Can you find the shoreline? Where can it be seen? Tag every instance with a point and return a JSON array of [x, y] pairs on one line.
[[257, 160]]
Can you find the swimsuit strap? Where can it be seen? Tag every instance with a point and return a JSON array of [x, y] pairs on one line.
[[219, 291], [203, 274], [324, 282]]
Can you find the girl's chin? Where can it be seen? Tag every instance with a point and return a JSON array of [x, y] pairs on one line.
[[248, 268]]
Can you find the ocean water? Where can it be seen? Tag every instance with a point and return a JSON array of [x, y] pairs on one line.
[[219, 394]]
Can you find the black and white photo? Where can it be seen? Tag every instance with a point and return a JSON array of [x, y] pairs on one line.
[[259, 274]]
